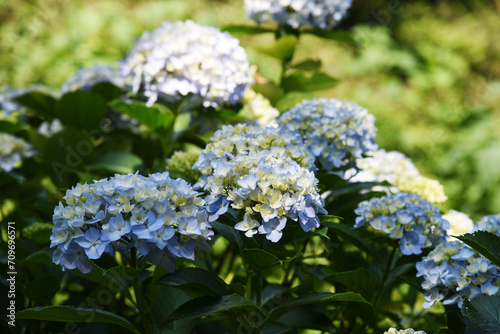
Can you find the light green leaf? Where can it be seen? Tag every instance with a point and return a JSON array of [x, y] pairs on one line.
[[308, 65], [153, 117], [240, 29], [302, 83], [337, 35], [283, 49], [116, 162], [75, 314]]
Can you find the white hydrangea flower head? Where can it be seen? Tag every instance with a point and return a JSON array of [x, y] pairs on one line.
[[336, 132], [323, 14], [260, 108], [406, 217], [86, 78], [460, 223], [403, 331], [12, 151], [265, 172], [180, 58], [232, 140], [397, 169], [489, 223], [161, 217], [453, 269]]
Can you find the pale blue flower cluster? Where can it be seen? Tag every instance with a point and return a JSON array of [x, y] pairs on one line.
[[180, 58], [407, 217], [232, 140], [161, 217], [324, 14], [12, 151], [262, 178], [453, 269], [337, 133], [403, 331], [488, 223], [86, 78]]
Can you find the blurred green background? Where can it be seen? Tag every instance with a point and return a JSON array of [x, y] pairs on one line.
[[428, 70]]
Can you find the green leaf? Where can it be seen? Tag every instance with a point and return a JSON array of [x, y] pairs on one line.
[[196, 280], [116, 162], [484, 312], [42, 289], [337, 35], [269, 90], [75, 314], [360, 280], [258, 259], [39, 232], [225, 227], [252, 30], [486, 243], [302, 83], [107, 91], [205, 306], [41, 103], [351, 188], [9, 127], [153, 117], [445, 331], [81, 109], [351, 235], [308, 65], [315, 298], [283, 49]]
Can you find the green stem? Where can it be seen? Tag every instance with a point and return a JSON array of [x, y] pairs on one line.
[[379, 290], [139, 296]]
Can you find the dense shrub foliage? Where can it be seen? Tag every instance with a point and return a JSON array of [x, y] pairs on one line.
[[204, 186]]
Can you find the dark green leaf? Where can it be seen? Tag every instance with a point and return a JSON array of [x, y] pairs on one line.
[[153, 117], [304, 318], [107, 91], [81, 110], [39, 232], [308, 65], [196, 280], [258, 259], [9, 127], [351, 235], [302, 83], [484, 312], [445, 331], [43, 104], [337, 35], [352, 187], [283, 49], [360, 280], [42, 289], [75, 314], [315, 298], [204, 306], [485, 243], [246, 30], [116, 162]]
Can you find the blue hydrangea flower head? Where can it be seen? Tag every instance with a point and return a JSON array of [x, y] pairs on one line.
[[404, 216], [336, 132], [266, 173], [161, 217], [323, 14], [179, 58], [453, 269], [489, 223]]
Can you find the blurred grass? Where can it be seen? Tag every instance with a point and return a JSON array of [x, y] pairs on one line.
[[429, 72]]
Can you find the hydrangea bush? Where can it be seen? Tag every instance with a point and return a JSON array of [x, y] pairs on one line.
[[231, 210]]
